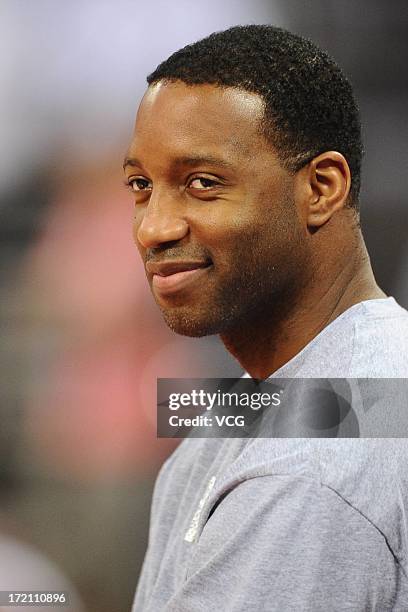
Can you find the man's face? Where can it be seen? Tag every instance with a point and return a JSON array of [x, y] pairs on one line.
[[215, 221]]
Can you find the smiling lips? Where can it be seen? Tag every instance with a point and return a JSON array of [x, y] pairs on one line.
[[170, 277]]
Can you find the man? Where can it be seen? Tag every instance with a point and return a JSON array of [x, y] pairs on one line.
[[245, 170]]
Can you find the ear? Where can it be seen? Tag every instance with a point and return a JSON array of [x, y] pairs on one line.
[[324, 186]]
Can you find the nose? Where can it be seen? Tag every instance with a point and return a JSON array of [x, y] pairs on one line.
[[161, 222]]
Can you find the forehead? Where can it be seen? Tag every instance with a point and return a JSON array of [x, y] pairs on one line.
[[184, 117]]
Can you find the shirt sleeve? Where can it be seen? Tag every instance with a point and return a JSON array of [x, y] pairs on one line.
[[283, 543]]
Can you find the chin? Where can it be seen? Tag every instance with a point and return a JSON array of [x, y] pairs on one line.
[[186, 326], [194, 325]]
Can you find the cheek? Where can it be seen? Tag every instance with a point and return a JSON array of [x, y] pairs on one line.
[[267, 233], [232, 240], [135, 228], [224, 220], [136, 221], [137, 218]]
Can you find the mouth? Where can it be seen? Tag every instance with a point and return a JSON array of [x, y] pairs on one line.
[[171, 277]]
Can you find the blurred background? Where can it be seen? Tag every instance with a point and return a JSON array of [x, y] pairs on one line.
[[82, 342]]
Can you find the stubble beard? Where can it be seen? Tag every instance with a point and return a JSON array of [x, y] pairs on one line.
[[263, 289], [251, 297], [211, 317]]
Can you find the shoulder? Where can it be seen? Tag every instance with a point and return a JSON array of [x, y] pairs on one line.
[[370, 339], [365, 477], [380, 346], [300, 544]]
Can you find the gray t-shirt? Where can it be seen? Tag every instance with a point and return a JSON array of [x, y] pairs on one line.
[[314, 525]]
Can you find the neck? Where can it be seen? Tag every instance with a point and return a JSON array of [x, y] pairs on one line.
[[264, 345]]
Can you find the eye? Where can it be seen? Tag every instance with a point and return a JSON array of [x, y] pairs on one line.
[[139, 184], [202, 183]]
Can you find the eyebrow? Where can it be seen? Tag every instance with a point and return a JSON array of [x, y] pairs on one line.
[[190, 160], [131, 161]]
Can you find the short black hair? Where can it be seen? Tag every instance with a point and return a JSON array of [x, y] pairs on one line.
[[309, 103]]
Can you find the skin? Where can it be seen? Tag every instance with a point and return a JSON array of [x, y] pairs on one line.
[[285, 255]]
